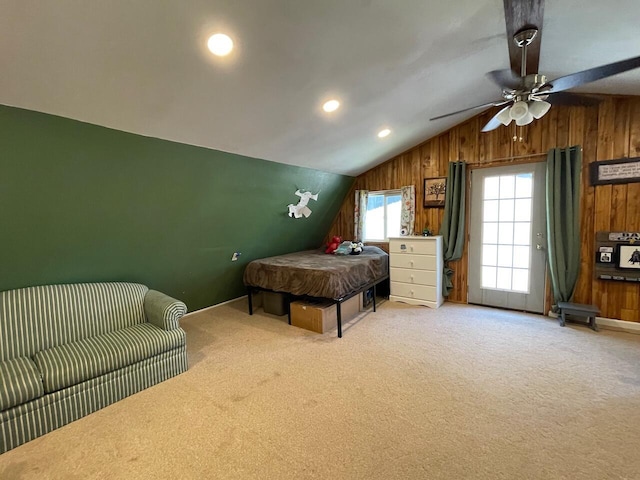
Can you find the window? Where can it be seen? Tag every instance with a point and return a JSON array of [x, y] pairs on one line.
[[506, 232], [383, 215]]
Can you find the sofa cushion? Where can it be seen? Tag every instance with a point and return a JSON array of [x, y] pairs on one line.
[[20, 382], [37, 318], [76, 362]]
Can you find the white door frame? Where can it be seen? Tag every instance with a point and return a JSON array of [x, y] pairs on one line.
[[535, 299]]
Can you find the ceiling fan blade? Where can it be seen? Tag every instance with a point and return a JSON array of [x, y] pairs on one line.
[[494, 122], [518, 15], [591, 75], [573, 99], [484, 105], [505, 79]]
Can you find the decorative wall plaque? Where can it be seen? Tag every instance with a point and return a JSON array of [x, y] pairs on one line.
[[617, 256], [623, 170], [624, 236]]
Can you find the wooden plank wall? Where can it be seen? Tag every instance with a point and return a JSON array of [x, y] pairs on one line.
[[608, 131]]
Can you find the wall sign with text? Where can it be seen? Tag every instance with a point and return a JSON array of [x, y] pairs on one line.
[[623, 170]]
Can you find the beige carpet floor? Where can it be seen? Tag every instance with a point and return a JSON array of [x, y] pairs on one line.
[[407, 393]]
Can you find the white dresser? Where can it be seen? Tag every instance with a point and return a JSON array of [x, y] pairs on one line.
[[415, 265]]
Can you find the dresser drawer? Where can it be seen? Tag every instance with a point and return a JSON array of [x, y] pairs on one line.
[[407, 290], [419, 262], [421, 247], [419, 277]]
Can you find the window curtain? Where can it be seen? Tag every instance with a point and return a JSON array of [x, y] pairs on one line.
[[452, 228], [408, 210], [563, 220], [362, 196]]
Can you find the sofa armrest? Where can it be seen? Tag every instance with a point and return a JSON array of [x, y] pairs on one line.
[[162, 310]]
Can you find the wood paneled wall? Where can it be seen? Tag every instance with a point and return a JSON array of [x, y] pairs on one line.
[[608, 131]]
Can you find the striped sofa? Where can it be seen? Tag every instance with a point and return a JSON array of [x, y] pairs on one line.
[[69, 350]]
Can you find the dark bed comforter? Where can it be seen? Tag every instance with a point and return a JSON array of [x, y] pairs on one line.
[[317, 274]]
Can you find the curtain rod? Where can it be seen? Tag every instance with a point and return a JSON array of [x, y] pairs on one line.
[[544, 154], [519, 157]]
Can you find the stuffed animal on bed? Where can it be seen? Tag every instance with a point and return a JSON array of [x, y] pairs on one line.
[[333, 244], [344, 248], [356, 248]]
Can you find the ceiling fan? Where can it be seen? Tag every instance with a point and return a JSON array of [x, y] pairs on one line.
[[529, 96]]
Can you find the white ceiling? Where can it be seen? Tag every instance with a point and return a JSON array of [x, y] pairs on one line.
[[142, 66]]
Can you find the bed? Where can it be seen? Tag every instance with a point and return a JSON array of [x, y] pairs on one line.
[[313, 273]]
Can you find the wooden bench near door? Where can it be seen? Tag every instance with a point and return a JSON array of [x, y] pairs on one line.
[[579, 310]]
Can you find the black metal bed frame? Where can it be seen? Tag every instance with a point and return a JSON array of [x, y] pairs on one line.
[[337, 301]]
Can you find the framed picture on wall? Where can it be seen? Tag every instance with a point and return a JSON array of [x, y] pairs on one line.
[[435, 189], [628, 256]]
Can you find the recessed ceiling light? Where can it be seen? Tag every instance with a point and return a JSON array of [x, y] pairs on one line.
[[331, 106], [384, 133], [220, 44]]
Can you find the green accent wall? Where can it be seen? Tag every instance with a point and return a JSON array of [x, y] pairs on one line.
[[83, 203]]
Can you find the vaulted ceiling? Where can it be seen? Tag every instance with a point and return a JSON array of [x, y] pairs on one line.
[[143, 66]]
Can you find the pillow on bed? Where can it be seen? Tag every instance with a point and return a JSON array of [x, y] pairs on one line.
[[372, 249], [343, 249]]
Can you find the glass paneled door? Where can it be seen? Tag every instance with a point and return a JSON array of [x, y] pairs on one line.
[[507, 259]]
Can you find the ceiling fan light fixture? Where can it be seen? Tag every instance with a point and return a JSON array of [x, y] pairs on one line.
[[539, 108], [504, 116], [525, 120], [519, 110]]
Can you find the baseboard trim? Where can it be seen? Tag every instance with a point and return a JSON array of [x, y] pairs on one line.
[[216, 305], [603, 322], [613, 324]]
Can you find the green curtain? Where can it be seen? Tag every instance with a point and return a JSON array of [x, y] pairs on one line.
[[563, 220], [452, 228]]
